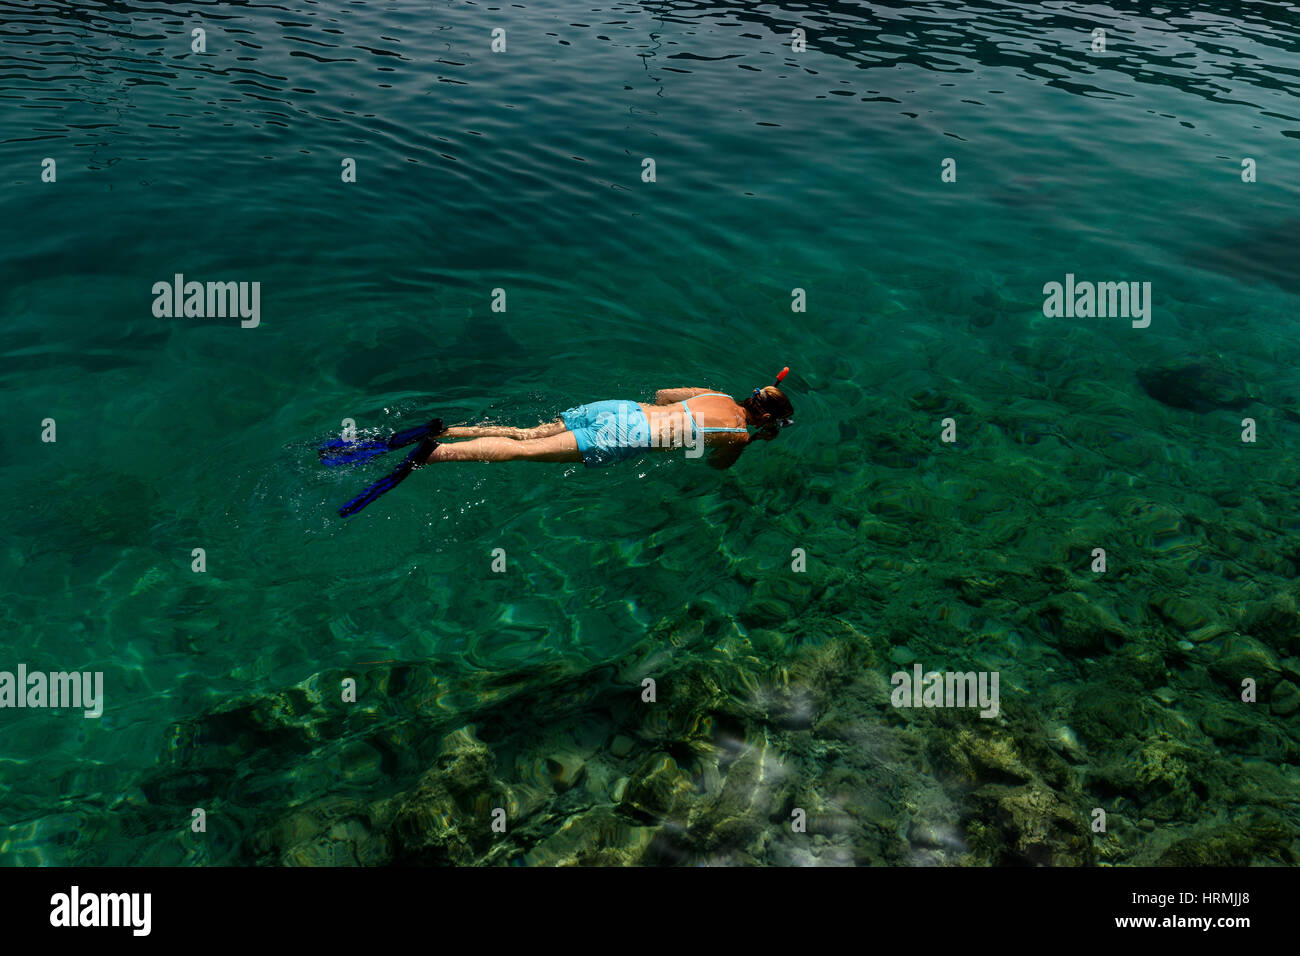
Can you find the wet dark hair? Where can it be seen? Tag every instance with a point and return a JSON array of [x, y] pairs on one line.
[[771, 401]]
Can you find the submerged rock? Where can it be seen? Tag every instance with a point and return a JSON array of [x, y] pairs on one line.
[[658, 789], [1286, 699], [447, 818], [1242, 657], [1202, 386], [597, 837], [788, 755], [1029, 825], [1077, 626], [1259, 839], [754, 791], [1276, 622]]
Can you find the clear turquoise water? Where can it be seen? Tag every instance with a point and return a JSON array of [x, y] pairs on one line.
[[818, 170]]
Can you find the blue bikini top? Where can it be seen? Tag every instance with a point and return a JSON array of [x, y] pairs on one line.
[[686, 405]]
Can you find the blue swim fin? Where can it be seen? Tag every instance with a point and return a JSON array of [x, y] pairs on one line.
[[340, 451], [393, 479]]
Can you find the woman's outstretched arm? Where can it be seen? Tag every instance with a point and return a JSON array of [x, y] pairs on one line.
[[670, 396]]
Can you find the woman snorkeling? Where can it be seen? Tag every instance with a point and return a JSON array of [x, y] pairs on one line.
[[601, 433]]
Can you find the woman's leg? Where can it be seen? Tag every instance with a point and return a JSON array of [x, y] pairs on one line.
[[545, 430], [558, 447]]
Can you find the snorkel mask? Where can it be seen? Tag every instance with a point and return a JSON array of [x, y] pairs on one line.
[[780, 422]]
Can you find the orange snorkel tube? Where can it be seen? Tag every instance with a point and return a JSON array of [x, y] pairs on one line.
[[782, 422], [780, 375]]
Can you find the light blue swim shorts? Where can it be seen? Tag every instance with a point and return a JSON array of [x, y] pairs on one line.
[[608, 432]]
